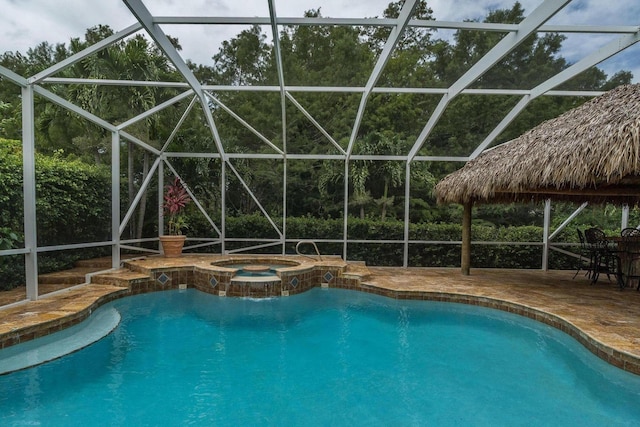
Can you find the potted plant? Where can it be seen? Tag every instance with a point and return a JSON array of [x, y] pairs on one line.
[[176, 199]]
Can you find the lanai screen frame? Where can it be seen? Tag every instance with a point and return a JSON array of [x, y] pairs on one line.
[[626, 36]]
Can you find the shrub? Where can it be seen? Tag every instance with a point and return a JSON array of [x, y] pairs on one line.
[[73, 205]]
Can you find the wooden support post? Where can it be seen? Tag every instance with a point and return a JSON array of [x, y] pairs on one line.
[[465, 259]]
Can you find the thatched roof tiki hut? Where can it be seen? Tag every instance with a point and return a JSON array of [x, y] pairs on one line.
[[588, 154]]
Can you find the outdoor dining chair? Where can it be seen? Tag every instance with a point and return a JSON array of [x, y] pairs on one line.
[[605, 259], [587, 257], [630, 249]]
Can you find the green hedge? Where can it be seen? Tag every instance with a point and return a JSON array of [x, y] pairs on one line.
[[391, 254], [73, 205]]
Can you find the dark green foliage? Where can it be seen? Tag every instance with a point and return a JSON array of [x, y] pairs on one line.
[[380, 254], [73, 205], [10, 188], [12, 270], [73, 200], [374, 230], [440, 254], [308, 228], [250, 226]]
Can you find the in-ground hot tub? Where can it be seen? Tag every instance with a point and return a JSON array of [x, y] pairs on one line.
[[258, 270], [229, 275], [263, 277]]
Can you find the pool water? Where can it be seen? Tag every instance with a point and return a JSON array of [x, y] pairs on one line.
[[242, 273], [271, 272], [323, 357]]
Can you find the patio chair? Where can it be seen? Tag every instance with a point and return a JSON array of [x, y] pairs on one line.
[[630, 232], [586, 259], [605, 259]]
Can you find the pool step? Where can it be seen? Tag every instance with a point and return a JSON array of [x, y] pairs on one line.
[[103, 263], [357, 269], [77, 274], [120, 277], [74, 276]]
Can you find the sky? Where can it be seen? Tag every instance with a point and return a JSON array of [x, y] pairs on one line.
[[26, 23]]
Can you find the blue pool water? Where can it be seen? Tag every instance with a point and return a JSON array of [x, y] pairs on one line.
[[269, 273], [324, 357]]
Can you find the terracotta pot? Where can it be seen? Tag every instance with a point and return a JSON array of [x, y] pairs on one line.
[[172, 245]]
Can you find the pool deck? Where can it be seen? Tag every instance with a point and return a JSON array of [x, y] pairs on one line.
[[603, 318]]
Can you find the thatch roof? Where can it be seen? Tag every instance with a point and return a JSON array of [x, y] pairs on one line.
[[590, 153]]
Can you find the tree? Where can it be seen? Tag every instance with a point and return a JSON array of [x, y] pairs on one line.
[[243, 59], [387, 174]]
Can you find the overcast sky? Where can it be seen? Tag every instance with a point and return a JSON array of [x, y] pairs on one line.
[[25, 23]]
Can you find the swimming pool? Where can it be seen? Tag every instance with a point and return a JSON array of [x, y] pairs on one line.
[[324, 357]]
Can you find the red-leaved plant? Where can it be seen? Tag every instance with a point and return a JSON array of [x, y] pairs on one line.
[[176, 199]]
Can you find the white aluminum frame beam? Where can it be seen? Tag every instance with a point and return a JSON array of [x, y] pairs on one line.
[[138, 197], [255, 199], [13, 77], [283, 113], [245, 124], [389, 22], [139, 142], [317, 157], [102, 44], [111, 82], [528, 26], [279, 68], [156, 109], [142, 14], [392, 41], [29, 196], [407, 204], [179, 124], [315, 123], [310, 89], [115, 199], [567, 74], [568, 220]]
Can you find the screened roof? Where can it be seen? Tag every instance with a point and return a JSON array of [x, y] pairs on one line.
[[609, 45]]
